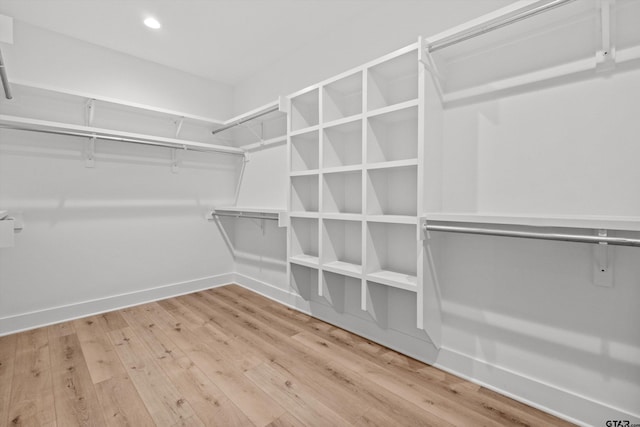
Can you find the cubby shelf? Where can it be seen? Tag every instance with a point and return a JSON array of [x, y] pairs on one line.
[[342, 97], [305, 260], [393, 279], [304, 110], [354, 213], [346, 268]]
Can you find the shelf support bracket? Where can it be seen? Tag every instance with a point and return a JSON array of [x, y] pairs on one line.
[[90, 153], [606, 56], [179, 124], [426, 59], [89, 112], [602, 268]]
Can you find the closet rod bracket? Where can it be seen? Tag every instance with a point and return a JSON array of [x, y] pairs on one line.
[[90, 153], [602, 268]]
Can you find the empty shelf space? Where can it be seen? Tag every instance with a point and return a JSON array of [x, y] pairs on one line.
[[392, 254], [342, 292], [396, 280], [304, 193], [342, 192], [304, 110], [306, 260], [342, 145], [393, 164], [342, 246], [303, 280], [305, 151], [304, 240], [346, 268], [392, 191], [393, 81], [342, 98], [393, 136]]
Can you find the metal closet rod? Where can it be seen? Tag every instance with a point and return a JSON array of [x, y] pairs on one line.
[[118, 138], [5, 80], [246, 119], [466, 35], [245, 216], [580, 238]]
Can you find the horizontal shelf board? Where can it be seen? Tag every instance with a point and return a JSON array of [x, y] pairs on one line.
[[628, 223], [338, 169], [342, 121], [393, 219], [396, 280], [23, 123], [302, 131], [304, 173], [251, 209], [266, 143], [343, 216], [344, 268], [393, 108], [393, 164], [304, 214], [305, 260]]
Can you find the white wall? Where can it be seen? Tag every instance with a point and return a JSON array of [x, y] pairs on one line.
[[520, 316], [127, 230]]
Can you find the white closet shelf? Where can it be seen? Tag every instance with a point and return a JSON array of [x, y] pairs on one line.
[[393, 108], [305, 260], [298, 214], [393, 279], [338, 169], [267, 142], [627, 223], [343, 216], [304, 130], [393, 219], [22, 123], [393, 164], [345, 120], [304, 173], [345, 268], [251, 209]]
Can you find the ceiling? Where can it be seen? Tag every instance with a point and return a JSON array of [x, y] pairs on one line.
[[223, 40]]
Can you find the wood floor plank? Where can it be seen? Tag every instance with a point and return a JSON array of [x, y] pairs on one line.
[[228, 356], [121, 404], [227, 374], [32, 402], [334, 384], [400, 364], [163, 401], [210, 404], [7, 361], [76, 401], [101, 358], [304, 406]]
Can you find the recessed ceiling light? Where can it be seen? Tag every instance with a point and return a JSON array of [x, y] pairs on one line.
[[152, 23]]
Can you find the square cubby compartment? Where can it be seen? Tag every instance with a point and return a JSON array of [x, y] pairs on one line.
[[342, 192], [342, 246], [305, 151], [342, 145], [392, 191], [304, 280], [304, 193], [393, 81], [342, 98], [393, 136], [304, 240], [305, 110], [392, 254]]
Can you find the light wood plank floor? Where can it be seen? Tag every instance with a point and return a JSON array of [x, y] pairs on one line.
[[229, 357]]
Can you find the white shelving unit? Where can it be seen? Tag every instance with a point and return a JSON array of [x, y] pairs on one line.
[[356, 161]]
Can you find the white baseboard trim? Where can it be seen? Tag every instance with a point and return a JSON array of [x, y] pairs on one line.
[[49, 316], [561, 403]]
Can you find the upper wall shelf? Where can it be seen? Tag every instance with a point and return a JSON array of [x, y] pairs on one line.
[[462, 59], [626, 223]]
